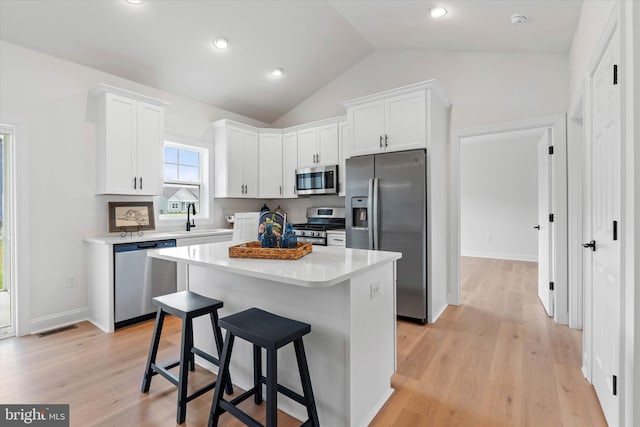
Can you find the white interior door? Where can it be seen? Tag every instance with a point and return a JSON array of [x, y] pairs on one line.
[[605, 214], [545, 230]]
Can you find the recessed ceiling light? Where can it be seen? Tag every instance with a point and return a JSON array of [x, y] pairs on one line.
[[221, 43], [437, 12], [278, 72], [135, 1]]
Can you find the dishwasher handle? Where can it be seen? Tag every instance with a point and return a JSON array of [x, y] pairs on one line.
[[149, 245]]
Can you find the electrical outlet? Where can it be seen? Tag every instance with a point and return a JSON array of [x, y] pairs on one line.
[[374, 290], [72, 281]]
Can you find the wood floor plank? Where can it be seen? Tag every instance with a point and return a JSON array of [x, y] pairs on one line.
[[496, 360]]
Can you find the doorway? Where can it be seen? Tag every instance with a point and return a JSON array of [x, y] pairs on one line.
[[7, 294], [555, 128]]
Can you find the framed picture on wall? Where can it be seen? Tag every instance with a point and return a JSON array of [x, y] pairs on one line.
[[131, 216]]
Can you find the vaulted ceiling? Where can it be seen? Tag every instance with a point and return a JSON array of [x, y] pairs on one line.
[[167, 44]]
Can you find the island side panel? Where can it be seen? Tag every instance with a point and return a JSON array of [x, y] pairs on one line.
[[325, 309], [372, 346], [99, 279]]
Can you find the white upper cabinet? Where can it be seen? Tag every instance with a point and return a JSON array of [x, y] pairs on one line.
[[236, 149], [130, 134], [367, 123], [289, 164], [307, 147], [271, 168], [318, 145], [393, 120]]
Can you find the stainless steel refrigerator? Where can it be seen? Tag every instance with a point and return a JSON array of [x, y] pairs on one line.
[[386, 209]]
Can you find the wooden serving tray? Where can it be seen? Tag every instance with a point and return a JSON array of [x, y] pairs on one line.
[[254, 250]]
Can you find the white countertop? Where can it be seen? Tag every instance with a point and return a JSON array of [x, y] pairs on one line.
[[133, 237], [325, 266]]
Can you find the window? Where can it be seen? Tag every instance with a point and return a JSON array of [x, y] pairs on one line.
[[185, 180]]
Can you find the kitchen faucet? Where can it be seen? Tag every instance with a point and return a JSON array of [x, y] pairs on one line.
[[191, 208]]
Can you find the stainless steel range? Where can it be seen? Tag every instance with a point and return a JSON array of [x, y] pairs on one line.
[[319, 220]]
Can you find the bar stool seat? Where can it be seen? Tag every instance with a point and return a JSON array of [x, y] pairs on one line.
[[271, 332], [185, 305]]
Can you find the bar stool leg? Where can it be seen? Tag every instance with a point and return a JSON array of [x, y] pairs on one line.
[[217, 335], [153, 351], [192, 356], [257, 374], [306, 383], [183, 376], [272, 387], [225, 359]]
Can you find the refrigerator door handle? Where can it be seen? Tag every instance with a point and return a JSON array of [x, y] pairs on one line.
[[370, 213], [374, 215]]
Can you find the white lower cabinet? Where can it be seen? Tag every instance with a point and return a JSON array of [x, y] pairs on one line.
[[182, 274], [336, 238]]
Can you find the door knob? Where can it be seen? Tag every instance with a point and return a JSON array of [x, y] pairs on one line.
[[591, 244], [537, 227]]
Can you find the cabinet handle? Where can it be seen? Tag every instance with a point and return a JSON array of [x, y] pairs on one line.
[[141, 183], [246, 189], [380, 141], [386, 140], [135, 183], [281, 190]]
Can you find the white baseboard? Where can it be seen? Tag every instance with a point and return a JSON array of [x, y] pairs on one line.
[[438, 314], [59, 320], [498, 255]]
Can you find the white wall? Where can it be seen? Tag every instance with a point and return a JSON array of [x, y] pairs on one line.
[[593, 17], [499, 198], [485, 88], [48, 99]]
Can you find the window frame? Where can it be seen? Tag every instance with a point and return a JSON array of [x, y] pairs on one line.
[[205, 180]]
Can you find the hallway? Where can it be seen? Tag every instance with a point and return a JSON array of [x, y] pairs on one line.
[[495, 360]]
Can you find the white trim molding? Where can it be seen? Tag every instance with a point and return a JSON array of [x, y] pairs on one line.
[[59, 320]]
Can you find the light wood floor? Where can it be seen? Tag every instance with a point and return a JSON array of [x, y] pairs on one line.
[[495, 360]]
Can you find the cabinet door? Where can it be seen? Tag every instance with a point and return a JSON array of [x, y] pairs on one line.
[[150, 145], [290, 164], [120, 145], [251, 164], [368, 126], [405, 121], [270, 165], [307, 148], [328, 150], [235, 162]]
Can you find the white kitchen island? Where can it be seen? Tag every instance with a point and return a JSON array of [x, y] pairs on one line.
[[346, 295]]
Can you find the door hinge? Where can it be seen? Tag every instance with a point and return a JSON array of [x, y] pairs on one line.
[[551, 286], [551, 149], [615, 385], [615, 230], [615, 74], [551, 217]]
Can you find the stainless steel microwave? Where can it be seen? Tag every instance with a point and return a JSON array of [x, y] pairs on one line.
[[317, 180]]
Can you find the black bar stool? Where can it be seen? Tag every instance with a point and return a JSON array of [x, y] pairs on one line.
[[185, 305], [268, 331]]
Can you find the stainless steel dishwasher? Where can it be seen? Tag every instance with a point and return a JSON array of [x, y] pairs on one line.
[[139, 278]]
